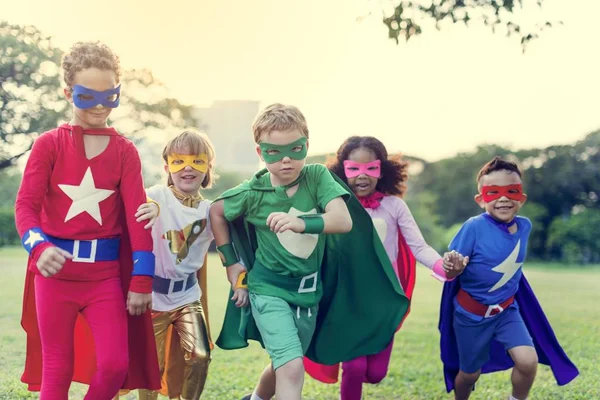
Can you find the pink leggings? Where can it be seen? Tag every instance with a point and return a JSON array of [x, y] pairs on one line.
[[58, 303], [370, 369]]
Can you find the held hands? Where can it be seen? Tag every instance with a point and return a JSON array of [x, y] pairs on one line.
[[52, 260], [138, 303], [280, 222], [454, 263], [147, 211]]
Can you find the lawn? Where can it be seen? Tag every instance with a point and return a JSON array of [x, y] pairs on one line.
[[569, 297]]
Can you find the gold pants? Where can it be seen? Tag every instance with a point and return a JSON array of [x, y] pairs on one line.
[[188, 324]]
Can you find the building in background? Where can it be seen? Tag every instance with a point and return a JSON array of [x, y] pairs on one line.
[[228, 123]]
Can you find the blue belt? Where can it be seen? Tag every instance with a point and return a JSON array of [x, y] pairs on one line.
[[89, 251], [163, 285]]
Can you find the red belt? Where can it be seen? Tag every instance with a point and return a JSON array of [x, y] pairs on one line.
[[475, 307]]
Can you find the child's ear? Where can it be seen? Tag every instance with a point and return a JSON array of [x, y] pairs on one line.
[[307, 142], [524, 199], [68, 94], [479, 200], [166, 168], [259, 153]]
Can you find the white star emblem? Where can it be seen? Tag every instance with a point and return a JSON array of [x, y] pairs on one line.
[[508, 267], [86, 197], [33, 238]]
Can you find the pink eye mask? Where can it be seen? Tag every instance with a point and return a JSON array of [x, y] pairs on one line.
[[353, 169]]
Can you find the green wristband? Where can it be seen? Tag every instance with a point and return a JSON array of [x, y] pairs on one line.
[[313, 223], [228, 254]]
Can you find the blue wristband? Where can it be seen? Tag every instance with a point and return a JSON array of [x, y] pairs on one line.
[[33, 238], [143, 263]]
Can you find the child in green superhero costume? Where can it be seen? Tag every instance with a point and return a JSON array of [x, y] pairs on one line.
[[301, 271]]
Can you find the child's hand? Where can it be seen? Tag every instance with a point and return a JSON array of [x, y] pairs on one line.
[[52, 260], [454, 263], [147, 211], [138, 303], [240, 296], [280, 222]]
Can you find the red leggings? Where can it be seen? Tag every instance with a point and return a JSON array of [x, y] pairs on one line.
[[58, 303]]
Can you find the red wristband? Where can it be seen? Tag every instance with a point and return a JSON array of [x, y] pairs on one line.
[[141, 284]]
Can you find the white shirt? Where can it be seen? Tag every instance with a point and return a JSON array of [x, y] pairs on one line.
[[181, 237]]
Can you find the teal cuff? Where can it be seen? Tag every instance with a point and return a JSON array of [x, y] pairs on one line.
[[228, 254], [313, 223]]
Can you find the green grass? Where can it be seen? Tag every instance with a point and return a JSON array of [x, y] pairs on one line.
[[569, 295]]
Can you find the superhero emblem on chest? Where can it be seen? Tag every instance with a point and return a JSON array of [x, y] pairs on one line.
[[300, 245], [180, 241]]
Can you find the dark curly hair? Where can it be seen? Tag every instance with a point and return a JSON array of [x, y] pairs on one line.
[[85, 55], [394, 172]]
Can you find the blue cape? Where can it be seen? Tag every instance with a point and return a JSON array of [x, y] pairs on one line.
[[548, 349]]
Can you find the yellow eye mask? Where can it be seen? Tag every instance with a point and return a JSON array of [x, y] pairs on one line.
[[177, 162]]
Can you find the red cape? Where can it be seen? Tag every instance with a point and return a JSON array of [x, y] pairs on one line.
[[143, 362], [406, 270]]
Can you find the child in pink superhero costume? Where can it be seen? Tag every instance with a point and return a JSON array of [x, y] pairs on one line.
[[80, 179], [378, 181]]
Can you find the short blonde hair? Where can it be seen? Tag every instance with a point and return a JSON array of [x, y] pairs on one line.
[[197, 143], [279, 117]]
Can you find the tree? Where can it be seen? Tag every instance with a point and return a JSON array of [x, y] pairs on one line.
[[32, 100], [404, 20]]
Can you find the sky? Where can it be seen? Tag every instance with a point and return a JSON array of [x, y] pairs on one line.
[[441, 93]]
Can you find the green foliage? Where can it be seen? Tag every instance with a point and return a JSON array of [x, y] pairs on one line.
[[453, 180], [8, 231], [32, 102], [421, 206], [557, 180], [576, 239], [407, 14], [30, 98], [10, 179]]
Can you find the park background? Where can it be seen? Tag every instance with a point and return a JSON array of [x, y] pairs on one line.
[[447, 84]]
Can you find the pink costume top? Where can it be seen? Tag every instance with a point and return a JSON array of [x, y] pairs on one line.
[[391, 217]]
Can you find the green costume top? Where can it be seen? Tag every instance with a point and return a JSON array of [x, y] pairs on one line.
[[361, 302], [281, 257]]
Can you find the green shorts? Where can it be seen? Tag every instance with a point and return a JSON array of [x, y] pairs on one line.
[[286, 329]]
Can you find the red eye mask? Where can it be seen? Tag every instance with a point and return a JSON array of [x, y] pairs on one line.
[[513, 192]]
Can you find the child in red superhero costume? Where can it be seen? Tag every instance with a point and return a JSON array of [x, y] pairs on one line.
[[75, 212]]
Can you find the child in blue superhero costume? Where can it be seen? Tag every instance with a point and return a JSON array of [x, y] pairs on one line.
[[490, 319]]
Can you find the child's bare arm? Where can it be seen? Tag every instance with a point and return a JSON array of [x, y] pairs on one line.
[[337, 218], [220, 230]]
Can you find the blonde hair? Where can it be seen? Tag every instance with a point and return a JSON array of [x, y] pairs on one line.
[[196, 143], [279, 117], [84, 55]]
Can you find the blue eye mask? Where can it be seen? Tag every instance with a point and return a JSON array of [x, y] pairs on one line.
[[88, 98]]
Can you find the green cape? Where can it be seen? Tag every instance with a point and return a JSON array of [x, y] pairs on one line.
[[362, 304]]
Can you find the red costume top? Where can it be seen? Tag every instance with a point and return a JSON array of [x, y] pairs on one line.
[[68, 196]]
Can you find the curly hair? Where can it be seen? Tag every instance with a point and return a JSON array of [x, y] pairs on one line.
[[85, 55], [394, 171]]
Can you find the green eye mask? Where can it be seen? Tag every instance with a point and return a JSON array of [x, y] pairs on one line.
[[273, 152]]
